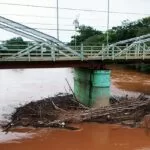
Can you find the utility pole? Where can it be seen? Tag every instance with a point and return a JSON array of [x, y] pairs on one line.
[[57, 20], [76, 25], [108, 13]]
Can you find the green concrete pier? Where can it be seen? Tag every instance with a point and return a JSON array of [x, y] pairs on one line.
[[92, 87]]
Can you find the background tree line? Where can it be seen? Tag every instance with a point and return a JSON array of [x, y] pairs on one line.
[[90, 36]]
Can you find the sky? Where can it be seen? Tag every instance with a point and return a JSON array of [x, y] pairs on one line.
[[44, 19]]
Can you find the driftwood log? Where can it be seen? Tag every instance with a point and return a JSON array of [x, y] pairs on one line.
[[62, 109]]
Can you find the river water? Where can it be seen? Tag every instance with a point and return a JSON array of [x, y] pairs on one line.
[[18, 87]]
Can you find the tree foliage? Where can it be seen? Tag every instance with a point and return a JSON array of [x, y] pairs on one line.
[[16, 43], [89, 36], [84, 32]]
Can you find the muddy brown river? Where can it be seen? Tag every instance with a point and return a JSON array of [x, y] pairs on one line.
[[22, 86]]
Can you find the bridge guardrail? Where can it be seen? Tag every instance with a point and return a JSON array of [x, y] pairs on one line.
[[43, 53]]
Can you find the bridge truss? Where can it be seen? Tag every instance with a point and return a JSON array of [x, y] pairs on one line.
[[44, 47]]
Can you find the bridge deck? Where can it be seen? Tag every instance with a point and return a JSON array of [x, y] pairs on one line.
[[45, 50], [64, 64]]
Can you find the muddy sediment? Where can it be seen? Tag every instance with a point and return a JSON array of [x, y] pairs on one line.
[[62, 110]]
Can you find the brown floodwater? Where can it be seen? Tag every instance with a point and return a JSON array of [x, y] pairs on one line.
[[91, 136], [130, 80]]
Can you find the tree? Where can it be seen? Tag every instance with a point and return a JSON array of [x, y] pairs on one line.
[[16, 43], [96, 40], [130, 29], [84, 33]]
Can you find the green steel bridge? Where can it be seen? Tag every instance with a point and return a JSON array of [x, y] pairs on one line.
[[44, 50]]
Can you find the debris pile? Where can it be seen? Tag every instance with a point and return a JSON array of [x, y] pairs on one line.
[[63, 109]]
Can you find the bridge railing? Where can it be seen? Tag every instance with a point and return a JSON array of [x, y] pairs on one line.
[[86, 52]]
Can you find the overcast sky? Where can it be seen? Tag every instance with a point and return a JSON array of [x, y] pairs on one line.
[[97, 20]]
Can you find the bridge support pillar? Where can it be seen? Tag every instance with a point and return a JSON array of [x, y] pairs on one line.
[[92, 87]]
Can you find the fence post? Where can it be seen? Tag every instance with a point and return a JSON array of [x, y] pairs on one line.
[[91, 50], [103, 47], [82, 54], [143, 51], [126, 55], [113, 54], [42, 51], [53, 52], [29, 57]]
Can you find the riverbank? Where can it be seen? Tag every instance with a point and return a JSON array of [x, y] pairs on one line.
[[62, 110]]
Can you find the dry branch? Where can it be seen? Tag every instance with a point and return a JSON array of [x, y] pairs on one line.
[[66, 110]]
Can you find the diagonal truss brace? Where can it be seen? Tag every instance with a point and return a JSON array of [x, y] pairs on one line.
[[18, 28], [136, 40]]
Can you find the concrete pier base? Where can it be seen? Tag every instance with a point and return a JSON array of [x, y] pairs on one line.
[[92, 87]]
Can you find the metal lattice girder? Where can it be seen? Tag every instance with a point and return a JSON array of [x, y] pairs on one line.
[[26, 51], [143, 41], [33, 32], [43, 52], [10, 29], [125, 50], [136, 39], [132, 41]]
